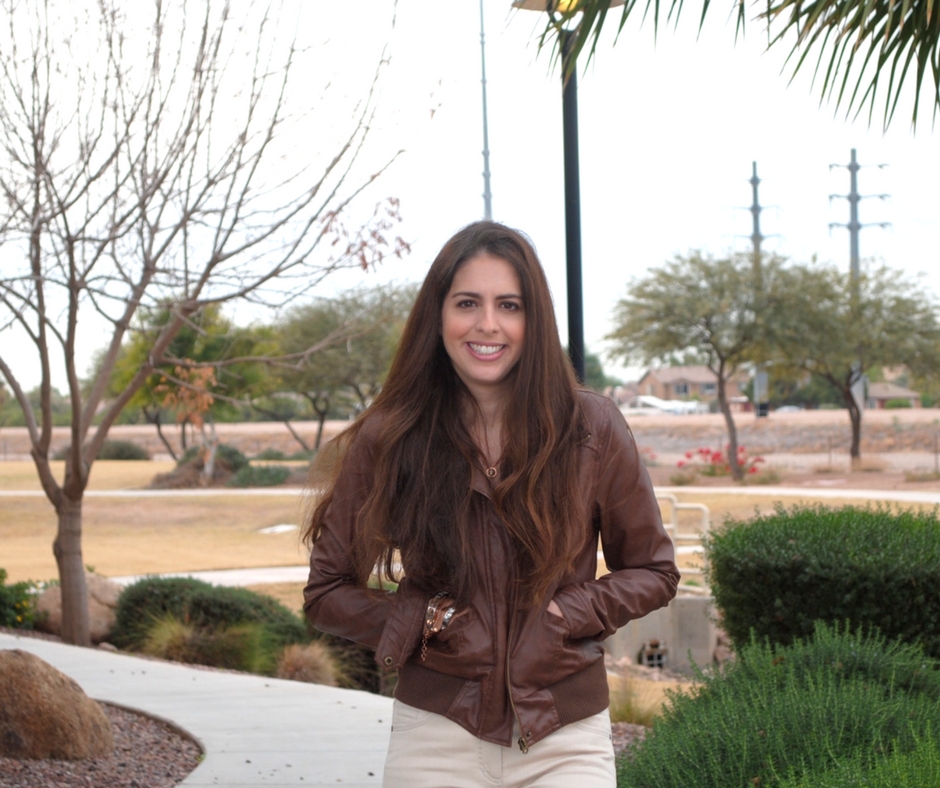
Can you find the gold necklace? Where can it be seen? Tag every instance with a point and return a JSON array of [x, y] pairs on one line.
[[491, 472]]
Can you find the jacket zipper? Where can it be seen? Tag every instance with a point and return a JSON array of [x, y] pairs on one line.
[[523, 745]]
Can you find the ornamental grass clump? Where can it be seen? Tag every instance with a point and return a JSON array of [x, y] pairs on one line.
[[797, 716], [245, 646], [310, 662], [775, 575]]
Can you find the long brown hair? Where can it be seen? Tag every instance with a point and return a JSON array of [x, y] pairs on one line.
[[420, 503]]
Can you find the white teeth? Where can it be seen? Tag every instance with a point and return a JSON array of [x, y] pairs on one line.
[[485, 350]]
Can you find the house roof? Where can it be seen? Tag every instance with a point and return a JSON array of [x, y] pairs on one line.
[[890, 391]]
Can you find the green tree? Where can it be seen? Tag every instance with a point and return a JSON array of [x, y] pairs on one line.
[[850, 44], [713, 308], [11, 414], [346, 345], [836, 329], [207, 340], [144, 168]]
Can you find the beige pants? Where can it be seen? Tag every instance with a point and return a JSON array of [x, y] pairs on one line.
[[429, 751]]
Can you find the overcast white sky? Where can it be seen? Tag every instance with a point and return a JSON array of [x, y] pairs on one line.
[[668, 132]]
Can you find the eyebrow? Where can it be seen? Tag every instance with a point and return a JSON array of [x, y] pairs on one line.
[[501, 297]]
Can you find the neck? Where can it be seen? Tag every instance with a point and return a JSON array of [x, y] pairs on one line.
[[485, 421]]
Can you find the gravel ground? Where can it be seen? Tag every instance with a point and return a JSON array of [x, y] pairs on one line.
[[147, 754], [625, 733]]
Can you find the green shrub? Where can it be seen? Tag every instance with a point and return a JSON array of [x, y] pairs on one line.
[[894, 404], [271, 454], [260, 476], [186, 619], [231, 457], [216, 607], [17, 603], [190, 620], [782, 714], [111, 450], [777, 574], [122, 450], [148, 600], [916, 769], [225, 455]]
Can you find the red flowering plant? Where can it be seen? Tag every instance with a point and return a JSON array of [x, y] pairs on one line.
[[714, 462]]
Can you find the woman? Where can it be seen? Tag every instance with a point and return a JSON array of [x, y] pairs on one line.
[[487, 472]]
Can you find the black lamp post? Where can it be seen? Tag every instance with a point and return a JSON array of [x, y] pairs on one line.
[[572, 179]]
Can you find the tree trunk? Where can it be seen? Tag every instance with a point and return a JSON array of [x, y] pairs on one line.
[[855, 416], [296, 435], [320, 422], [737, 472], [211, 444], [322, 411], [67, 548], [154, 418]]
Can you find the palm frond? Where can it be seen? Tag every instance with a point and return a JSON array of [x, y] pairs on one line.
[[860, 48]]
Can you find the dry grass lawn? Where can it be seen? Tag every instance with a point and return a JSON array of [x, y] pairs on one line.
[[123, 536], [105, 474]]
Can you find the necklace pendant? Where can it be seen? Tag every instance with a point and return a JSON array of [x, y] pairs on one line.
[[491, 473]]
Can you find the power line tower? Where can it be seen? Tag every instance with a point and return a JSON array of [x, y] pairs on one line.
[[854, 226], [761, 381], [756, 236]]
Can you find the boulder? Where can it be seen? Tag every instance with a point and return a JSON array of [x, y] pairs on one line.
[[45, 714], [103, 597]]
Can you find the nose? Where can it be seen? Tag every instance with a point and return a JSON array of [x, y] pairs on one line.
[[488, 323]]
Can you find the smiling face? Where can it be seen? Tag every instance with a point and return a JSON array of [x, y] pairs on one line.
[[483, 323]]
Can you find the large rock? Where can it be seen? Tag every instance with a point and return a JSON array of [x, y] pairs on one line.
[[102, 603], [45, 714]]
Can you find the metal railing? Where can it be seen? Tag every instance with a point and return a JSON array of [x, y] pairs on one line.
[[687, 543]]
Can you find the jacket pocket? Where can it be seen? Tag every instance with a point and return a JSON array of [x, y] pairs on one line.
[[548, 654], [464, 649]]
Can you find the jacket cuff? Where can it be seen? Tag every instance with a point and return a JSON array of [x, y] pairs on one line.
[[403, 630]]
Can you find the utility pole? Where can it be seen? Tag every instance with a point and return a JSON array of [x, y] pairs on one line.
[[761, 385], [487, 197], [756, 236], [854, 227]]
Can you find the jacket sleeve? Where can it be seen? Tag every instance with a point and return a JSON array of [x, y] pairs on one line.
[[334, 602], [638, 552]]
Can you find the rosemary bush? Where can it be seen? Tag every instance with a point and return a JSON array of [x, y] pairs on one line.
[[837, 705]]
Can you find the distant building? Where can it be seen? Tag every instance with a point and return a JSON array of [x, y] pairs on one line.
[[881, 393], [690, 382]]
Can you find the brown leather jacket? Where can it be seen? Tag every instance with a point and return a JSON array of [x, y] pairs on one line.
[[495, 663]]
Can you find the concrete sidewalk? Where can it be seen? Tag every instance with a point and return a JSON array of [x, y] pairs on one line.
[[254, 730]]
